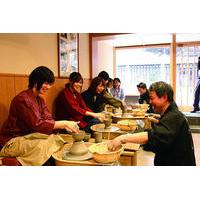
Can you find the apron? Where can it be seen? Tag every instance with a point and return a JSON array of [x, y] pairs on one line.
[[33, 149]]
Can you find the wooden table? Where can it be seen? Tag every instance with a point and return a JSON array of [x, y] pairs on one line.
[[127, 158], [90, 162]]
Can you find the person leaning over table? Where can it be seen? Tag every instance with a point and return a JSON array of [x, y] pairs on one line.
[[170, 138], [70, 105], [94, 97], [109, 99], [28, 132]]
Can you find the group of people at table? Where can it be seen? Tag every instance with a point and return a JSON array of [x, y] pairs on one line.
[[30, 134]]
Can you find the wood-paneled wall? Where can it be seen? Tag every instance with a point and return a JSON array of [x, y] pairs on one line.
[[11, 85]]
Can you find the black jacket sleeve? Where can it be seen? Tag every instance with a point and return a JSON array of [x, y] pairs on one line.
[[163, 134]]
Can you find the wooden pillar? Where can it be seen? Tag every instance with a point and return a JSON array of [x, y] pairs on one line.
[[173, 64], [114, 63]]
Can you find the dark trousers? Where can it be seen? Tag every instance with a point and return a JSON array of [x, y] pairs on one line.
[[196, 96]]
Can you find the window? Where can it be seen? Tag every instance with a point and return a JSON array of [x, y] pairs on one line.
[[187, 74], [142, 65], [146, 58]]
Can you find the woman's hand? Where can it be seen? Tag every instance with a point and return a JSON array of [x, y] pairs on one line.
[[72, 126], [67, 125], [99, 116]]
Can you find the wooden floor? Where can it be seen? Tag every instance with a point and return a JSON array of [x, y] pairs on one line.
[[146, 158]]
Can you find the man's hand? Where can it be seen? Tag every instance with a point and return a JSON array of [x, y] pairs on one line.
[[113, 144], [153, 119]]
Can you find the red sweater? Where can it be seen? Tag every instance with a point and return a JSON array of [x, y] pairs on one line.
[[27, 114], [71, 106]]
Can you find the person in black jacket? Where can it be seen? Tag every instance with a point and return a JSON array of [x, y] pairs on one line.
[[93, 96], [197, 92], [144, 95], [170, 137]]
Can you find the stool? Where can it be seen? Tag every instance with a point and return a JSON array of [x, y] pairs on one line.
[[9, 161]]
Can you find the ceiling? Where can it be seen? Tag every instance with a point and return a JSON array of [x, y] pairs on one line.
[[145, 38]]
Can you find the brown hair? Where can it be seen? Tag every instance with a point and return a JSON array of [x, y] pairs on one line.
[[95, 82], [75, 77]]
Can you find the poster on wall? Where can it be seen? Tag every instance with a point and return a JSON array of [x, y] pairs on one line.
[[68, 50]]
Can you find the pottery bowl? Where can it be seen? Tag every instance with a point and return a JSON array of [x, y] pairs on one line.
[[87, 137], [78, 136], [127, 125], [144, 106], [101, 154], [139, 112], [107, 122]]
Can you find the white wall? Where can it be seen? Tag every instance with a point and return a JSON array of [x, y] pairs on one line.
[[102, 58], [20, 53], [84, 58]]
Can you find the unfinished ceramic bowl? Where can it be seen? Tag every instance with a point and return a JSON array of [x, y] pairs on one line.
[[138, 112], [107, 123], [144, 106], [140, 106], [119, 117], [101, 154], [78, 149], [78, 136], [87, 137], [127, 125], [109, 108]]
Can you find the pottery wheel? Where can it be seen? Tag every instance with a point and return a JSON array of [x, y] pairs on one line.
[[68, 156]]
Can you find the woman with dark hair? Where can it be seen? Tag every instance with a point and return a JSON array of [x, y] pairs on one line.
[[104, 75], [93, 96], [27, 134], [70, 104]]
